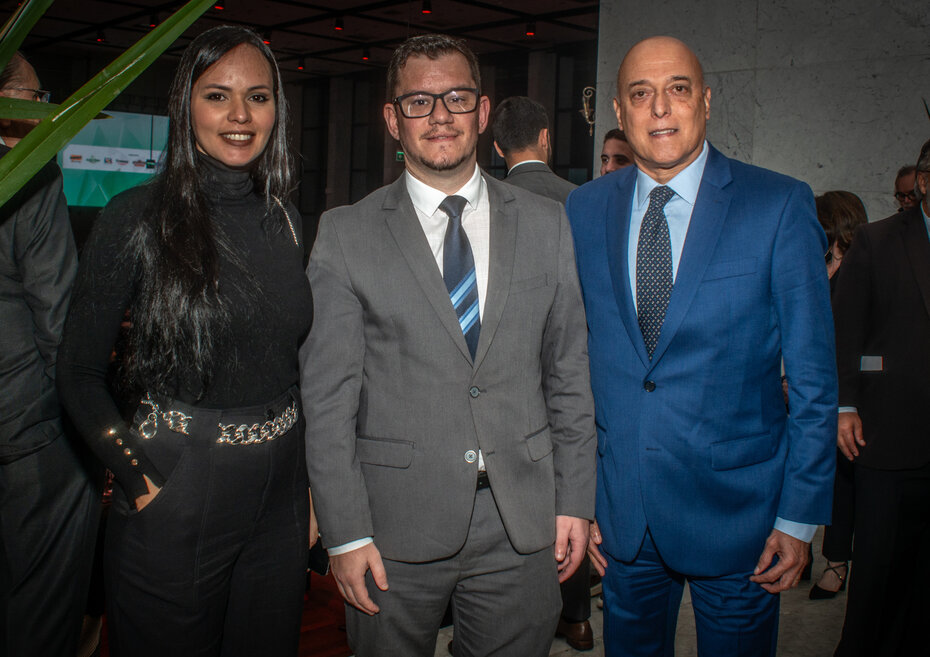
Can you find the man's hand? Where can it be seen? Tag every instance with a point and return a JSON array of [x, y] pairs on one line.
[[849, 434], [792, 557], [597, 558], [349, 570], [571, 540]]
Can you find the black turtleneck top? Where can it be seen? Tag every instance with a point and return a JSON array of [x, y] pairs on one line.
[[255, 363]]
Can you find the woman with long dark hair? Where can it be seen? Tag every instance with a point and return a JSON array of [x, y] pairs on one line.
[[206, 547]]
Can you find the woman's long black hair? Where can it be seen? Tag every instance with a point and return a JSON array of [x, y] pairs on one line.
[[177, 315]]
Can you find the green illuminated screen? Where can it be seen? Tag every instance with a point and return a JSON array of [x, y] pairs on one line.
[[111, 155]]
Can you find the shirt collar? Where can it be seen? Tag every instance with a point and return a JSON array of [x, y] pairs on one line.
[[524, 162], [686, 184], [426, 199], [924, 214]]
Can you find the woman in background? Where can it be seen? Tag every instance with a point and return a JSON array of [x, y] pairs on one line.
[[840, 213], [206, 548]]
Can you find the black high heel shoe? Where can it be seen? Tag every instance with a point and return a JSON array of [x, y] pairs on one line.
[[818, 593]]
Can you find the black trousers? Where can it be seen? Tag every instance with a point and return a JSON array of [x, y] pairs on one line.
[[838, 535], [887, 605], [49, 509], [216, 564]]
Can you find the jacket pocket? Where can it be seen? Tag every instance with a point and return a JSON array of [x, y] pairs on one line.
[[529, 283], [738, 453], [730, 268], [539, 443], [383, 451]]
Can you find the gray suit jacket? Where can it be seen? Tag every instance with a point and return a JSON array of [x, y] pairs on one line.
[[539, 179], [395, 407]]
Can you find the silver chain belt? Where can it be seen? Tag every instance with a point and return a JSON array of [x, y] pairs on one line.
[[176, 420], [251, 434], [232, 434]]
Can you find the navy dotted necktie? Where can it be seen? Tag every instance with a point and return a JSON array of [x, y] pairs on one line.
[[653, 268], [458, 272]]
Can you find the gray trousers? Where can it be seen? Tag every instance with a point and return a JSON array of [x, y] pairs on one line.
[[503, 603]]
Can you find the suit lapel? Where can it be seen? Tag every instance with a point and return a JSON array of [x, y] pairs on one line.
[[707, 219], [504, 216], [402, 221], [917, 247], [619, 207]]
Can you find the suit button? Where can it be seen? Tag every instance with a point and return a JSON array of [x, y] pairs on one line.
[[471, 456], [649, 386], [474, 392]]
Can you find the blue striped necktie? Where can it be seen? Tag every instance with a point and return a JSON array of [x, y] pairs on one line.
[[654, 268], [458, 272]]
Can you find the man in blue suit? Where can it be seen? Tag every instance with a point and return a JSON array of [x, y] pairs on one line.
[[700, 274]]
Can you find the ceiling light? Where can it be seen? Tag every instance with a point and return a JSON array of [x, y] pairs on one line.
[[339, 25], [101, 38], [153, 20], [427, 7], [300, 64], [266, 37], [531, 28], [366, 54], [219, 6]]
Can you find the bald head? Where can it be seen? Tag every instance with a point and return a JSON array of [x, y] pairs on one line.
[[658, 49], [662, 105]]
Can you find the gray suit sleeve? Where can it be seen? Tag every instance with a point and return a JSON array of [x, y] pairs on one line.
[[567, 387], [331, 365]]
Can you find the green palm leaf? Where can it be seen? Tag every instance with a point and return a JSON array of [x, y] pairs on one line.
[[18, 109], [47, 138], [17, 27]]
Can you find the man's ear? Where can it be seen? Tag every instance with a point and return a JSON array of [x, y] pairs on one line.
[[390, 118], [498, 149], [542, 141]]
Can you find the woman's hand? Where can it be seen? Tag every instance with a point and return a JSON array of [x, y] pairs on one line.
[[143, 500]]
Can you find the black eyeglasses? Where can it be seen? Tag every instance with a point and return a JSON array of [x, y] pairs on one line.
[[419, 104], [39, 95], [903, 195]]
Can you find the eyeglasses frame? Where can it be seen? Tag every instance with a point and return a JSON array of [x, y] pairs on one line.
[[442, 97]]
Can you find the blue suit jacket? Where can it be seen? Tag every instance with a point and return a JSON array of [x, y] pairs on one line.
[[696, 443]]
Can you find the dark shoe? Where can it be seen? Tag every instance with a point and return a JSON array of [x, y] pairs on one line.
[[578, 635], [818, 593]]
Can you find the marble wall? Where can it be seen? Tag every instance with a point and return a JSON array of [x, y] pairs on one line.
[[828, 91]]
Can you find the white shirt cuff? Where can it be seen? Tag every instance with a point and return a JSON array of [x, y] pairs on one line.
[[348, 547], [848, 409], [798, 530]]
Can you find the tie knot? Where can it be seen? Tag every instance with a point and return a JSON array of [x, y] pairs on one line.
[[453, 206], [660, 196]]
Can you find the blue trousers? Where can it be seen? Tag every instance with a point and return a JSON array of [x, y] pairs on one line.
[[734, 617]]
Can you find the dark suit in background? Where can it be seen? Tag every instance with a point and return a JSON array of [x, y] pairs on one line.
[[48, 506], [882, 312], [539, 179]]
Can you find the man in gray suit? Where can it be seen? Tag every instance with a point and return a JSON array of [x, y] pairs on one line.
[[450, 429], [521, 136]]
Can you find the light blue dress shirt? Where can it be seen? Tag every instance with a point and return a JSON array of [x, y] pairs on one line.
[[678, 214]]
